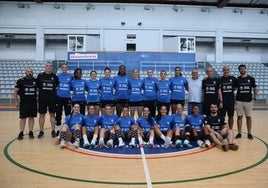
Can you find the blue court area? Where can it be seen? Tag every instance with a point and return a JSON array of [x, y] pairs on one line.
[[157, 149]]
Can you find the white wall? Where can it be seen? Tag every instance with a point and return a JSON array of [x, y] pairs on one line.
[[106, 21]]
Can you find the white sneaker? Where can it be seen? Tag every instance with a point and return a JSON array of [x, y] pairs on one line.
[[200, 143], [121, 144], [76, 143], [186, 143], [62, 143], [92, 143], [207, 143], [132, 143], [110, 143], [86, 144], [151, 144], [178, 143]]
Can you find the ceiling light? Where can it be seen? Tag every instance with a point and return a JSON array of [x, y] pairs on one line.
[[90, 6]]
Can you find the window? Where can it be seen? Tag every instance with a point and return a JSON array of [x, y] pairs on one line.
[[76, 43], [187, 44]]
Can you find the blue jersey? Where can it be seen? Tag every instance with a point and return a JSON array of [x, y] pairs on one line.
[[72, 119], [107, 88], [135, 87], [91, 122], [177, 87], [93, 91], [145, 125], [195, 121], [165, 123], [78, 87], [125, 123], [163, 91], [179, 121], [149, 88], [121, 87], [64, 87], [107, 122]]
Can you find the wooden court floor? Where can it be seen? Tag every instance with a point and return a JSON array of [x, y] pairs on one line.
[[40, 163]]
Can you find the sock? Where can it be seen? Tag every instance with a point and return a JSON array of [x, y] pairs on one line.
[[151, 139], [120, 139], [163, 137], [94, 138], [85, 138], [63, 135], [140, 139], [77, 134], [58, 127]]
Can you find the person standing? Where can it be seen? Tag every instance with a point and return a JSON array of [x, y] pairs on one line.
[[121, 89], [178, 85], [47, 83], [78, 86], [228, 86], [246, 86], [211, 91], [93, 92], [135, 94], [163, 92], [26, 89], [149, 92], [63, 95], [195, 92]]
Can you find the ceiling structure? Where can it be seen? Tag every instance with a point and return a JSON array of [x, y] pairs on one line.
[[216, 3]]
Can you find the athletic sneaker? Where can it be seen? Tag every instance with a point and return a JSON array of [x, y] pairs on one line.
[[151, 144], [58, 133], [62, 143], [225, 147], [238, 136], [178, 143], [20, 136], [207, 143], [86, 144], [53, 134], [31, 135], [233, 147], [186, 143], [41, 134], [121, 144], [92, 143], [250, 136], [110, 143], [132, 143], [200, 143], [76, 143]]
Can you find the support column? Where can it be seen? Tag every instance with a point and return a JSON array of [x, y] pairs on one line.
[[40, 44], [219, 47]]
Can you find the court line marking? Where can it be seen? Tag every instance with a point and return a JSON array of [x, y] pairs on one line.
[[9, 158], [146, 169]]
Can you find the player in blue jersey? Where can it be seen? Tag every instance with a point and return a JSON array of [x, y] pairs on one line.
[[149, 92], [121, 89], [178, 86], [179, 124], [71, 128], [126, 128], [194, 128], [163, 128], [146, 125], [78, 86], [135, 93], [90, 128], [107, 90], [63, 95], [218, 130], [107, 123], [93, 91], [163, 92]]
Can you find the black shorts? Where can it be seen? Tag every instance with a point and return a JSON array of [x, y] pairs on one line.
[[44, 106], [122, 101], [172, 101], [229, 109], [93, 103], [137, 103], [106, 102], [28, 110]]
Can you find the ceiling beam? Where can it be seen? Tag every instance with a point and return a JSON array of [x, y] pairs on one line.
[[222, 3]]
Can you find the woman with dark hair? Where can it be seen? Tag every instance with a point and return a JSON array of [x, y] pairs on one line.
[[78, 86], [121, 89]]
